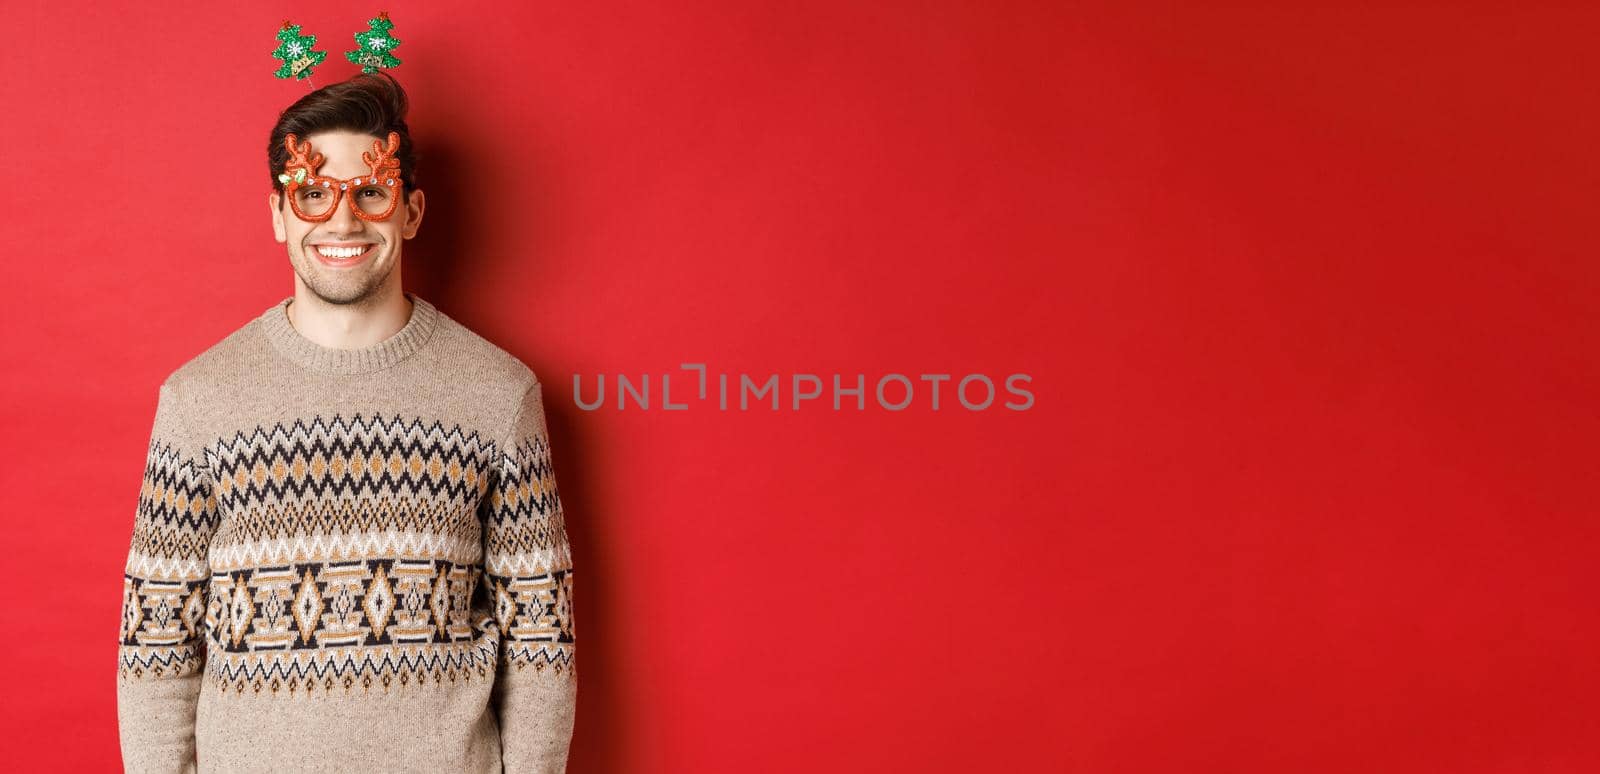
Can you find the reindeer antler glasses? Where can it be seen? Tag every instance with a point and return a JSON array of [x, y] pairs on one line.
[[314, 197]]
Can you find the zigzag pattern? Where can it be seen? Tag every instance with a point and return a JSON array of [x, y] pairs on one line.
[[177, 511], [556, 659], [350, 458], [343, 489], [529, 563], [347, 669], [525, 527], [271, 520], [136, 661], [146, 566], [163, 594], [344, 529], [527, 485], [344, 548]]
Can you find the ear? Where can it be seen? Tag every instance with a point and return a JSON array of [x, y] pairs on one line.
[[280, 233], [415, 203]]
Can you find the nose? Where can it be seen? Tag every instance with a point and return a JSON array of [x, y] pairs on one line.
[[344, 222]]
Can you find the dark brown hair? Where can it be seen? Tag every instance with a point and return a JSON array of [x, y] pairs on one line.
[[369, 103]]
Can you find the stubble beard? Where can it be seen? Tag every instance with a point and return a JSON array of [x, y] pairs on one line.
[[346, 290]]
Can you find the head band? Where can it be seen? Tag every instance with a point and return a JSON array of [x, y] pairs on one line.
[[313, 197], [374, 49]]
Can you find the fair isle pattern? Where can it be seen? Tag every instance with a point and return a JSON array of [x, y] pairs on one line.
[[351, 558], [335, 604], [340, 489], [346, 624], [530, 559], [527, 530], [540, 609], [333, 458], [163, 597]]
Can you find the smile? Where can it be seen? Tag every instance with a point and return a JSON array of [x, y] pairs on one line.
[[339, 255]]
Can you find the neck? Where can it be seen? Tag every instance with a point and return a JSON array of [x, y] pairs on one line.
[[415, 334], [349, 326]]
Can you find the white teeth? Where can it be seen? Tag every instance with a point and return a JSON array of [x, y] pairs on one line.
[[340, 252]]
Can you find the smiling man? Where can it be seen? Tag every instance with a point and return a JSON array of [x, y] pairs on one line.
[[349, 552]]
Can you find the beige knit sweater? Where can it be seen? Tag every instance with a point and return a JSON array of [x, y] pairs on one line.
[[348, 561]]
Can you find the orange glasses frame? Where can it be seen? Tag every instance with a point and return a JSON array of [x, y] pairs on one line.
[[301, 172]]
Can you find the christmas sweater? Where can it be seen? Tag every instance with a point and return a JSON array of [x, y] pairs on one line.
[[348, 560]]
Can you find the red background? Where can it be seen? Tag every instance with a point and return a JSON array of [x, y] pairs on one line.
[[1307, 295]]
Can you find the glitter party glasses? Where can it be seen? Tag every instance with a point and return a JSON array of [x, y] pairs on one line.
[[314, 197]]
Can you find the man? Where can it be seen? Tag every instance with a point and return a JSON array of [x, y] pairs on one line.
[[349, 552]]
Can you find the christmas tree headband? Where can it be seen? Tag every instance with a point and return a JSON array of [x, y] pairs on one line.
[[312, 196], [374, 49]]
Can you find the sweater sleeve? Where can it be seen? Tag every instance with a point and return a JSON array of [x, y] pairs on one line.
[[528, 572], [164, 598]]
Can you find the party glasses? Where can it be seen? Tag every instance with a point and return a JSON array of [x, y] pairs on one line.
[[314, 197]]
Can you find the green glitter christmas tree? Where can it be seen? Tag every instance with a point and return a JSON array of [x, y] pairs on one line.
[[375, 46], [295, 51]]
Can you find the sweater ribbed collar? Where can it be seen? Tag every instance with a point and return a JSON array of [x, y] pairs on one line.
[[274, 323]]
